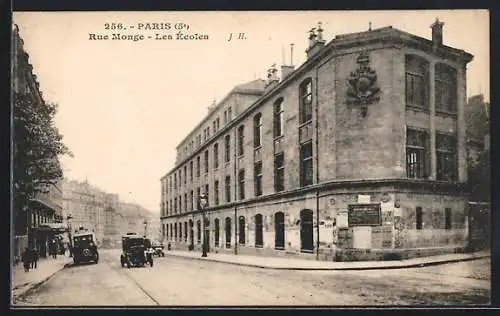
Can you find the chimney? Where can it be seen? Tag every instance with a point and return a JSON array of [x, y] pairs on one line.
[[316, 41], [437, 33], [272, 77], [286, 70]]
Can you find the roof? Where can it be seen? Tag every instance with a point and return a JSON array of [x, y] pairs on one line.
[[255, 86]]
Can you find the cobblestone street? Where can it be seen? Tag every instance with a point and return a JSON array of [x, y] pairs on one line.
[[174, 281]]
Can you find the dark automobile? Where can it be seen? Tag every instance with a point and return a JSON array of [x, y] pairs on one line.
[[134, 251], [85, 248]]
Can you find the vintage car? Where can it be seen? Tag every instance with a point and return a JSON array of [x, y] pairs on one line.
[[135, 251], [85, 248], [158, 249]]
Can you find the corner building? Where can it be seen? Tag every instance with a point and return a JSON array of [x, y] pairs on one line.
[[359, 154]]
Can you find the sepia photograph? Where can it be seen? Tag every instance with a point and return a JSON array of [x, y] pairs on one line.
[[250, 158]]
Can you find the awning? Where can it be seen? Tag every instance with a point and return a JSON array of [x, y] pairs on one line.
[[44, 203], [54, 227]]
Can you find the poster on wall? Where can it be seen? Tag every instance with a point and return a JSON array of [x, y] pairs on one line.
[[364, 215], [342, 221]]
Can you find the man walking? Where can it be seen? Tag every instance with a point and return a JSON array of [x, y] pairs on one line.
[[26, 258], [34, 262]]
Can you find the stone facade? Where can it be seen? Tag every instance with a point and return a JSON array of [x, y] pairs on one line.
[[358, 125]]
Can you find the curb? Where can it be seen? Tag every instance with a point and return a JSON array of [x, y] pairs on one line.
[[387, 267], [33, 286]]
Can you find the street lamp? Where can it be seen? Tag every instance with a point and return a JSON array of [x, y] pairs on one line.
[[203, 204], [68, 218]]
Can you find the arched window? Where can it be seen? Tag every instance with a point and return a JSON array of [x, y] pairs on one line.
[[228, 232], [305, 101], [198, 231], [241, 140], [216, 231], [259, 238], [216, 155], [191, 233], [241, 230], [257, 130], [279, 230], [278, 118], [306, 231]]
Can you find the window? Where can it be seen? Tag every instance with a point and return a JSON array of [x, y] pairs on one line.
[[306, 164], [241, 186], [227, 147], [208, 132], [257, 130], [185, 202], [185, 231], [216, 155], [191, 170], [198, 166], [259, 236], [216, 232], [241, 140], [180, 178], [225, 117], [446, 165], [217, 123], [227, 228], [417, 81], [241, 230], [175, 205], [419, 217], [180, 204], [417, 144], [278, 118], [258, 178], [446, 88], [447, 218], [191, 194], [305, 101], [198, 193], [206, 161], [206, 190], [175, 181], [198, 231], [228, 188], [279, 172], [185, 174], [216, 192], [229, 114], [214, 126], [306, 231]]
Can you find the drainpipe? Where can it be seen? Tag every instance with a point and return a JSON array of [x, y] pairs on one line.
[[317, 165], [235, 191]]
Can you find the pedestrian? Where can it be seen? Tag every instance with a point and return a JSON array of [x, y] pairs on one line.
[[54, 249], [26, 258], [35, 255]]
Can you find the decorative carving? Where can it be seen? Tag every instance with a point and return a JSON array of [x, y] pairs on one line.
[[363, 88]]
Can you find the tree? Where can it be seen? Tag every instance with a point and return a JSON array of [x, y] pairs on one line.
[[479, 178], [37, 145]]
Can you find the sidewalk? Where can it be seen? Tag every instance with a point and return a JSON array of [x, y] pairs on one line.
[[22, 281], [304, 264]]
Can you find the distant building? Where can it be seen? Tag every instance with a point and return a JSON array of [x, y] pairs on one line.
[[359, 154]]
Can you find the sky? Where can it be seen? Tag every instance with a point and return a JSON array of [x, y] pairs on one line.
[[124, 106]]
